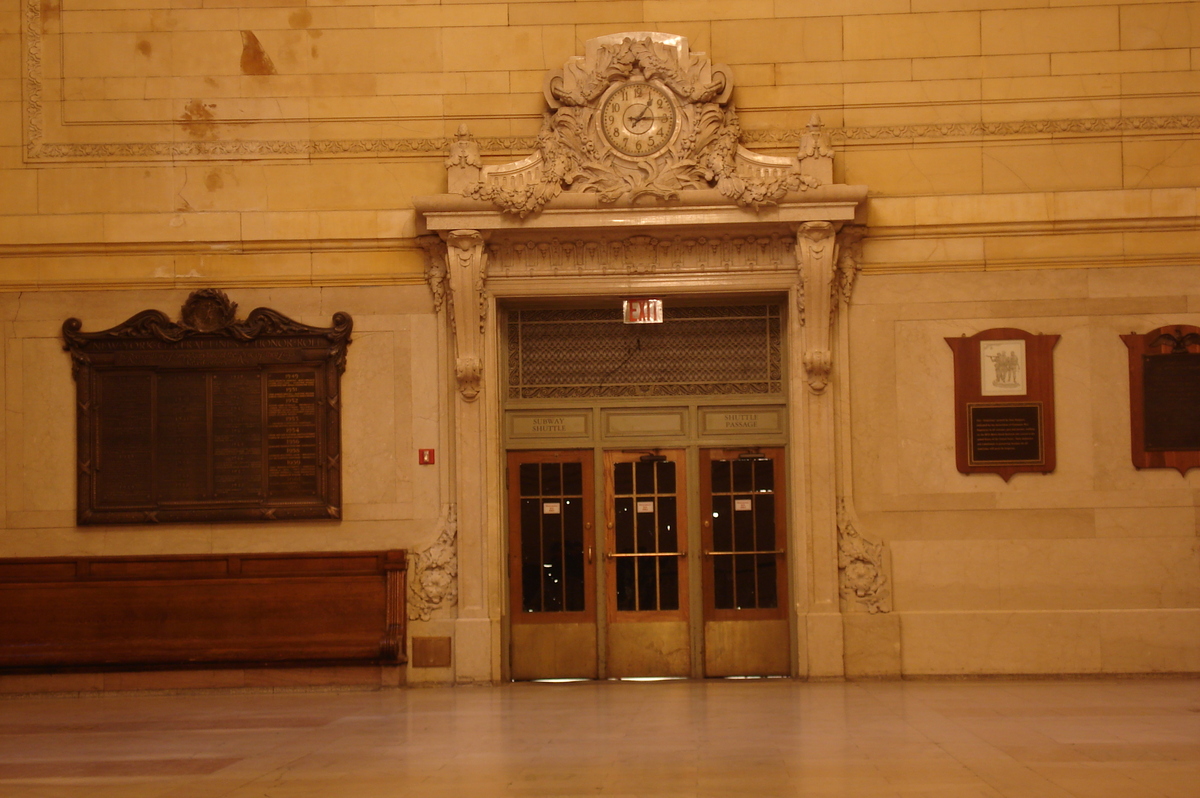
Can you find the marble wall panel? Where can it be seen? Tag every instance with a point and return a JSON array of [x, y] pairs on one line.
[[381, 401]]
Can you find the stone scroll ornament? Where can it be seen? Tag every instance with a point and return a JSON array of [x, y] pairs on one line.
[[209, 418], [639, 115], [433, 578]]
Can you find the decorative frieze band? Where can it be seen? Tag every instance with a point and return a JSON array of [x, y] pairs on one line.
[[37, 149], [642, 254]]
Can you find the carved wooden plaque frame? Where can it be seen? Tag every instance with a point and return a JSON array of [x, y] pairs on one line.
[[209, 418], [1004, 402], [1164, 422]]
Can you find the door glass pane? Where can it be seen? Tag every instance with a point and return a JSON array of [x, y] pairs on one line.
[[572, 479], [624, 524], [768, 595], [531, 554], [530, 481], [764, 521], [720, 476], [647, 539], [666, 477], [668, 587], [626, 584], [647, 583], [764, 475], [623, 479], [667, 535], [743, 476], [551, 479], [743, 521], [553, 574], [722, 521], [644, 473], [573, 565], [744, 577], [552, 556], [645, 520], [723, 581]]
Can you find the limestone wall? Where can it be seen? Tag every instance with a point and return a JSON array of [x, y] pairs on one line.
[[1092, 568], [1031, 164]]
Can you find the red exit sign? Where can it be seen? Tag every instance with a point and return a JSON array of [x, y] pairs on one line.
[[643, 311]]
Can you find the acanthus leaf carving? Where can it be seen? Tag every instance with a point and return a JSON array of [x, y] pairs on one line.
[[572, 155], [433, 575], [862, 569]]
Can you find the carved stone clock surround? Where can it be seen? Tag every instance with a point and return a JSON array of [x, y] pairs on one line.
[[709, 219]]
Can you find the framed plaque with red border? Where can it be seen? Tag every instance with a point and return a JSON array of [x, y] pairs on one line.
[[1004, 402], [1164, 397]]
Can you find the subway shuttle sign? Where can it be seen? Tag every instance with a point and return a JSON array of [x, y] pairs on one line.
[[643, 311]]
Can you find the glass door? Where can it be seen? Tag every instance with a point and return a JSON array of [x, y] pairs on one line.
[[551, 565], [743, 507], [646, 547]]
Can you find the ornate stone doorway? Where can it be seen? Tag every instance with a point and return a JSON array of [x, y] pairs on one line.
[[692, 217]]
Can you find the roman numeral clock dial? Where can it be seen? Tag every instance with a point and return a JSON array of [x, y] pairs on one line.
[[638, 119]]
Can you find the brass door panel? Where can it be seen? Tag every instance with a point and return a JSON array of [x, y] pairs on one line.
[[743, 531], [552, 565]]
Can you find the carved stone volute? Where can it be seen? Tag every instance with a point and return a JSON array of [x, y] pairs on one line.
[[466, 264]]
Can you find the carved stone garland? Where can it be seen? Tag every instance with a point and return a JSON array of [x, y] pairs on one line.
[[433, 582], [862, 569]]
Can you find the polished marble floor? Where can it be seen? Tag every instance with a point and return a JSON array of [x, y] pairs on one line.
[[957, 739]]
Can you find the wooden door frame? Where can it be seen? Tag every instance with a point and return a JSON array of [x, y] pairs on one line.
[[513, 459], [611, 458], [778, 458]]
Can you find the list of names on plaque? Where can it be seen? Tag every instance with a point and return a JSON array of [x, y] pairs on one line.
[[292, 433], [1172, 401], [1006, 433], [237, 435], [209, 419], [181, 420], [126, 441]]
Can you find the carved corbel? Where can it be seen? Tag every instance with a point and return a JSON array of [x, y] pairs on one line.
[[849, 261], [466, 273], [816, 252], [816, 153], [464, 163]]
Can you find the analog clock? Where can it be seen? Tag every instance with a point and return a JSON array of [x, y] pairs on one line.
[[638, 119]]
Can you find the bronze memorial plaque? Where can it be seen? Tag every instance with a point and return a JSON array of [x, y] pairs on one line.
[[210, 418], [1164, 397], [1004, 402]]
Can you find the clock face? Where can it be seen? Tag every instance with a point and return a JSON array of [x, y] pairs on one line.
[[638, 119]]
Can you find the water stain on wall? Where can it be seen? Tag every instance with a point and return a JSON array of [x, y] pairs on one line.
[[255, 60], [198, 119], [144, 47]]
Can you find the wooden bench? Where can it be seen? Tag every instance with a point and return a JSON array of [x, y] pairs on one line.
[[202, 610]]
